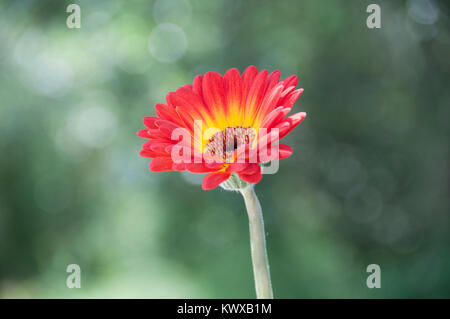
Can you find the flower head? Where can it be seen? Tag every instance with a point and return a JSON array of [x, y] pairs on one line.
[[223, 125]]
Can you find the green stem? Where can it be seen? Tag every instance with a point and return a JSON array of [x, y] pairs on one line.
[[260, 261]]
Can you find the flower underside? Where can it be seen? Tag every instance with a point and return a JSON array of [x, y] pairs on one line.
[[225, 118]]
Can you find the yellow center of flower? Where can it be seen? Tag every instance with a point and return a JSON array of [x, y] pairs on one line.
[[222, 144]]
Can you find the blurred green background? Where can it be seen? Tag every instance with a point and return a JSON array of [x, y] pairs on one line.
[[368, 181]]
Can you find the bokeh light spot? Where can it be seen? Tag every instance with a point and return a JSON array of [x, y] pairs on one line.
[[174, 11], [167, 43]]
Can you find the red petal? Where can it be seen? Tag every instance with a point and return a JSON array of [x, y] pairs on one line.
[[161, 164], [290, 99], [149, 121], [286, 91], [178, 166], [256, 94], [247, 80], [197, 85], [166, 128], [251, 169], [143, 133], [275, 116], [273, 79], [212, 180], [269, 103], [291, 81], [160, 147], [148, 153], [186, 118], [284, 151], [252, 178], [213, 94], [233, 90], [167, 112], [149, 144], [190, 102], [289, 123], [236, 167], [197, 168]]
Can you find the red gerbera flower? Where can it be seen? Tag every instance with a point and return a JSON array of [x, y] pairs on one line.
[[228, 120]]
